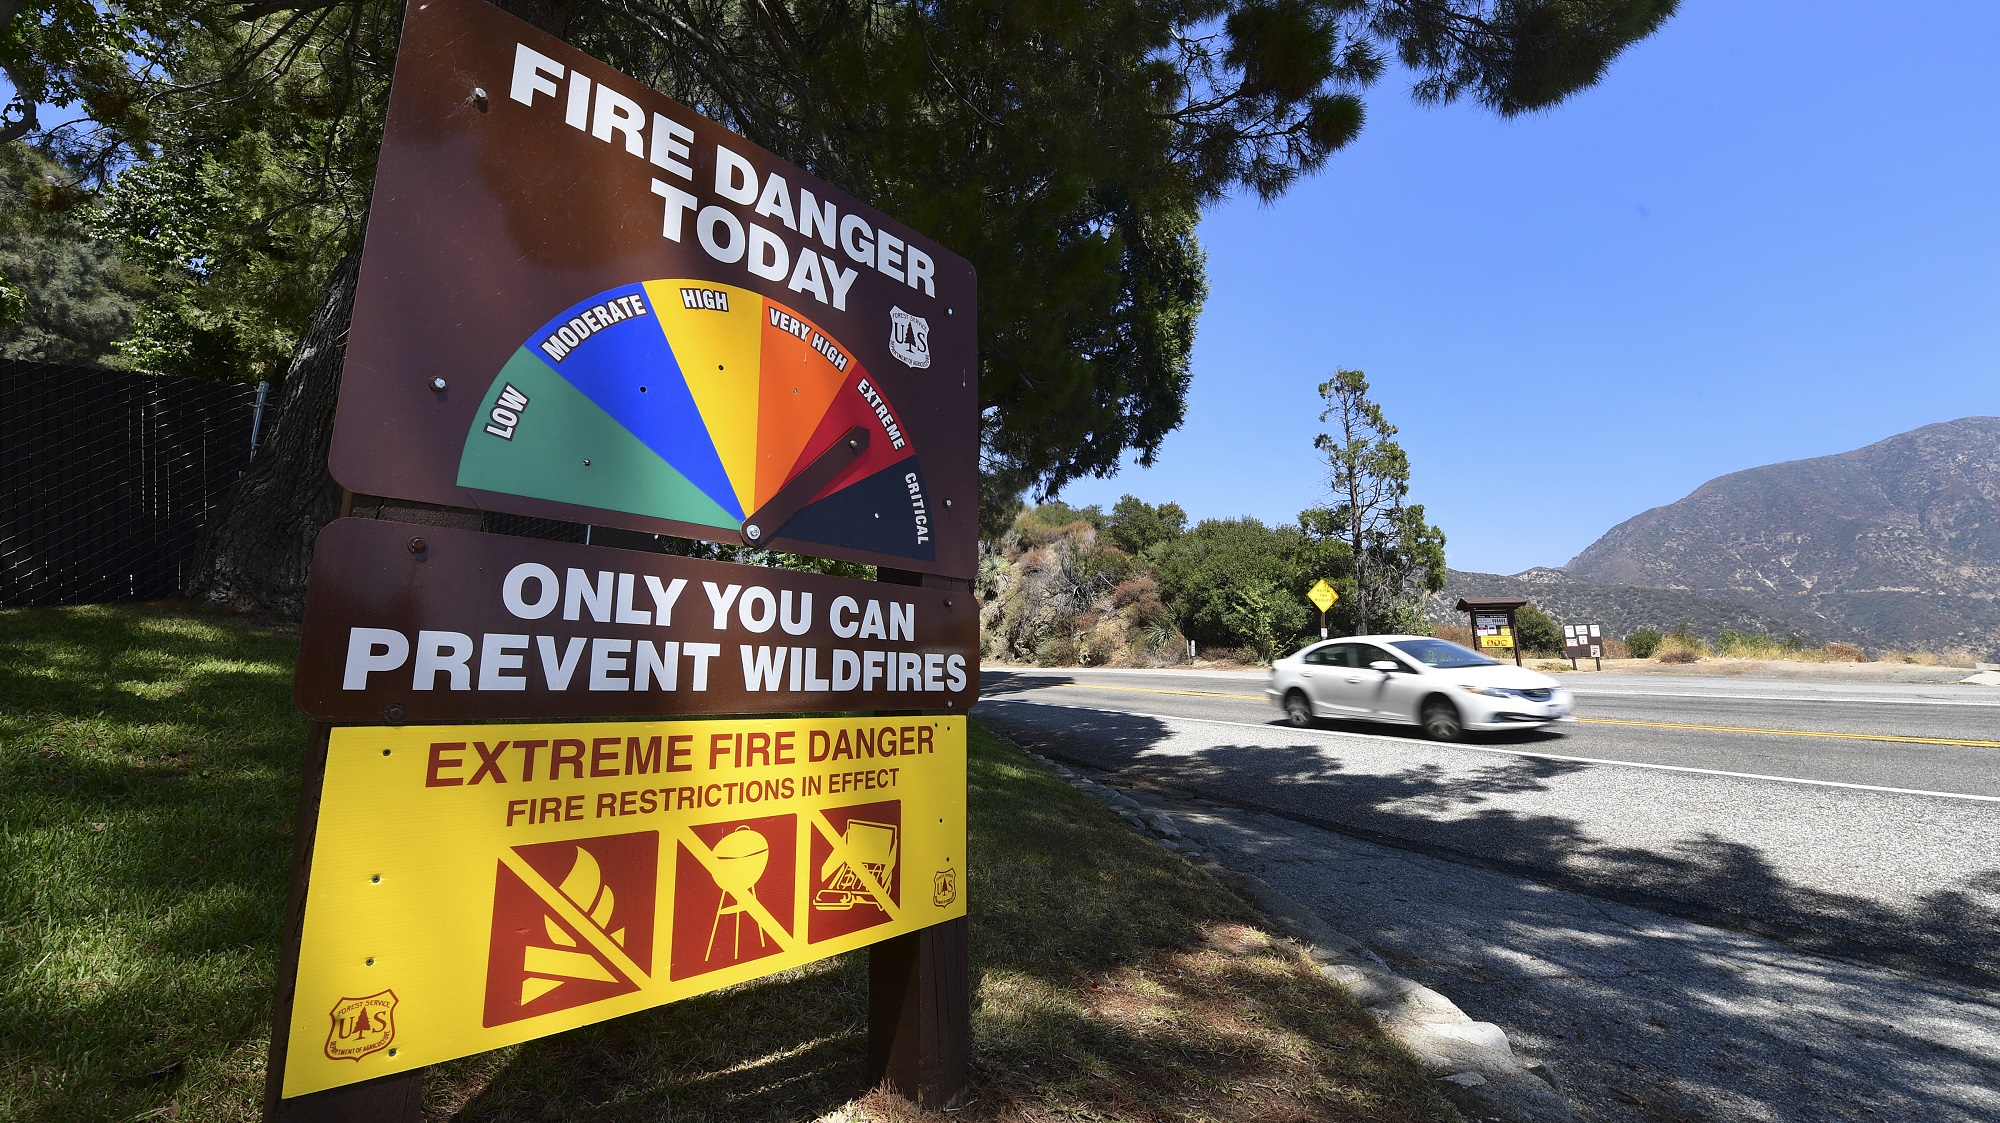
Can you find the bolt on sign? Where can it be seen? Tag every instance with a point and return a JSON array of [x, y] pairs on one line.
[[580, 300], [477, 886], [423, 624], [1493, 631]]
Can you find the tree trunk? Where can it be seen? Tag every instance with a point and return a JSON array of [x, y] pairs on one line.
[[257, 548], [258, 545]]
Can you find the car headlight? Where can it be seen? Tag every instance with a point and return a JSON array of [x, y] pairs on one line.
[[1493, 691]]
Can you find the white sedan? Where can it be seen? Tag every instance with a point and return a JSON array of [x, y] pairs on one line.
[[1414, 680]]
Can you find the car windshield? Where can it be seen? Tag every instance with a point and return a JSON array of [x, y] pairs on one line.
[[1438, 653]]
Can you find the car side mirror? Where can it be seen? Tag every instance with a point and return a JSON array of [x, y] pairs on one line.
[[1385, 665]]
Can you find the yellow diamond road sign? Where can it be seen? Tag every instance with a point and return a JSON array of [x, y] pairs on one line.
[[1322, 594]]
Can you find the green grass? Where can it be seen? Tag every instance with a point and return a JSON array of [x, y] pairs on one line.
[[147, 777], [147, 780]]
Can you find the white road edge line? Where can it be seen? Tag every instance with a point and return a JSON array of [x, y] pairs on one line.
[[1339, 733], [1592, 692]]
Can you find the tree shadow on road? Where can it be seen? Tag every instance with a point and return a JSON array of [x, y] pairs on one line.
[[1446, 809]]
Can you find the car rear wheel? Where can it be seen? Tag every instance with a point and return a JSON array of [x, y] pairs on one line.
[[1441, 721], [1298, 711]]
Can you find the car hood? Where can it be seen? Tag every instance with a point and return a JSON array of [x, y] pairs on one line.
[[1507, 675]]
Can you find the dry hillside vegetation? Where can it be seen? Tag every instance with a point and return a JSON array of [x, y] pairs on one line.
[[1071, 600]]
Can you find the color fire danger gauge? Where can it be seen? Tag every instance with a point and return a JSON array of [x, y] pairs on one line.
[[707, 404]]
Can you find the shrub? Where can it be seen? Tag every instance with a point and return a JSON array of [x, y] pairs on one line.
[[1056, 651], [1237, 582], [1551, 666], [1955, 657], [1616, 649], [1679, 646], [1454, 633], [1643, 643], [1136, 526], [1740, 645], [1536, 633], [1845, 653]]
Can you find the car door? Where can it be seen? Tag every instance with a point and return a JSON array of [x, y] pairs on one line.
[[1320, 672], [1343, 687], [1391, 695]]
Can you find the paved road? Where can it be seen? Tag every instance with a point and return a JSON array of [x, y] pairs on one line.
[[1646, 863]]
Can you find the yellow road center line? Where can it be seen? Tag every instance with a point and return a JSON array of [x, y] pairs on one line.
[[1613, 721], [1157, 690]]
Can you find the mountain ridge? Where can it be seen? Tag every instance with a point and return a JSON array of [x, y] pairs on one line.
[[1624, 609], [1897, 542]]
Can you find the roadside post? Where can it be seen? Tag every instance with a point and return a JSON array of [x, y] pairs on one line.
[[551, 783], [1322, 594], [1493, 623], [1583, 641]]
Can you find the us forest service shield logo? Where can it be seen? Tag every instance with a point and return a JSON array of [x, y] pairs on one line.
[[944, 887], [361, 1026], [909, 338]]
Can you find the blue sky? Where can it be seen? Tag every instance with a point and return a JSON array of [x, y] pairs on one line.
[[1771, 232]]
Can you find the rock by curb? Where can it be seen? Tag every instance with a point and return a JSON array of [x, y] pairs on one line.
[[1476, 1066]]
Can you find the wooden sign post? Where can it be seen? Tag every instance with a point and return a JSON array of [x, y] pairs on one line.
[[549, 783]]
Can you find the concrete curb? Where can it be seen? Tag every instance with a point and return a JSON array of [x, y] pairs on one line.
[[1475, 1065]]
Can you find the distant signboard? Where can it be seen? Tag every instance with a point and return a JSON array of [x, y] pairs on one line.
[[1583, 641], [477, 886], [1493, 630], [581, 300]]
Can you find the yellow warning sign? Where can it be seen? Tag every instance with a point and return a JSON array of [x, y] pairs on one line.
[[479, 886], [1322, 594]]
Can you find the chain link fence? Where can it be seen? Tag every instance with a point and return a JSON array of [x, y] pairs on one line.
[[106, 478]]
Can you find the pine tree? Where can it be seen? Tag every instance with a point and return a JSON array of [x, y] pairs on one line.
[[1396, 551]]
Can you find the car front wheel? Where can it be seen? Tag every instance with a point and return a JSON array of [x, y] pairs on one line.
[[1298, 711], [1441, 721]]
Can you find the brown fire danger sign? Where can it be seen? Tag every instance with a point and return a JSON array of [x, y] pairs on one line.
[[410, 623], [477, 886], [581, 300]]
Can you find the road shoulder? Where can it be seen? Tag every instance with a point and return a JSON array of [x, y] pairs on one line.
[[1473, 1062]]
